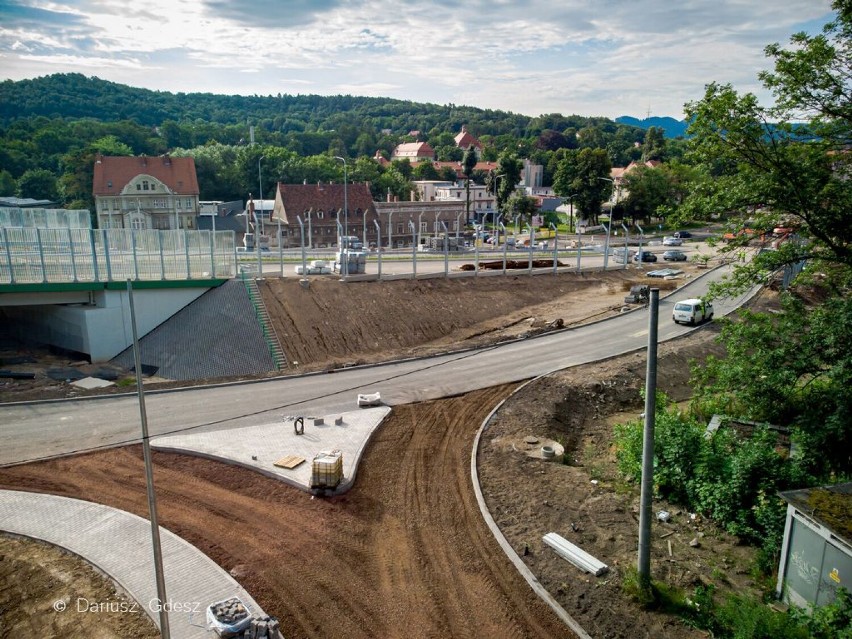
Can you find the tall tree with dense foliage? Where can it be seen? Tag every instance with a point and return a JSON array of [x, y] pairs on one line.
[[468, 165], [767, 171], [794, 367], [585, 175], [39, 184], [506, 178]]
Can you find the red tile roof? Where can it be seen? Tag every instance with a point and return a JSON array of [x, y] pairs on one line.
[[113, 173], [464, 140], [298, 199], [414, 149]]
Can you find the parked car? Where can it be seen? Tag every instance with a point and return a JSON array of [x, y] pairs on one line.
[[682, 234], [672, 241], [646, 256], [674, 256], [692, 311]]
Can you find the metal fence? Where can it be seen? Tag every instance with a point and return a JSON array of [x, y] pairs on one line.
[[45, 218], [41, 255]]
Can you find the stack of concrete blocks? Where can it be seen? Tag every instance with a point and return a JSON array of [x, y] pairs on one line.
[[228, 618], [262, 628]]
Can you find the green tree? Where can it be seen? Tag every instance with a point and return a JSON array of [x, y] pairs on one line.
[[522, 206], [468, 165], [112, 146], [7, 183], [767, 171], [649, 191], [506, 179], [585, 175], [39, 184], [654, 146]]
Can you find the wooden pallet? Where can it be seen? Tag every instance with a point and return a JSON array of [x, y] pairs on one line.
[[290, 462]]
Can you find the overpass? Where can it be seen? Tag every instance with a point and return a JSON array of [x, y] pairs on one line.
[[67, 287]]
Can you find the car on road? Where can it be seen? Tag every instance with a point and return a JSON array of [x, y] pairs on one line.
[[674, 256], [692, 311], [644, 256], [682, 234], [672, 241]]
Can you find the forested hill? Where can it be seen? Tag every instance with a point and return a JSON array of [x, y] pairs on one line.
[[75, 96]]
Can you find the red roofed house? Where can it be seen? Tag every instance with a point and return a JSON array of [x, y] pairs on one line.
[[145, 192], [464, 140], [323, 205], [414, 151]]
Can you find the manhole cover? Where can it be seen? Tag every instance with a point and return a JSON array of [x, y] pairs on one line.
[[531, 440]]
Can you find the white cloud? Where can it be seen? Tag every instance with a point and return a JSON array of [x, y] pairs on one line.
[[610, 57]]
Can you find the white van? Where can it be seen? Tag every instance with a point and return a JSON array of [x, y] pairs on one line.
[[692, 311]]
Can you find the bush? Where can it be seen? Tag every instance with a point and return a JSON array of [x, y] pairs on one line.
[[733, 480]]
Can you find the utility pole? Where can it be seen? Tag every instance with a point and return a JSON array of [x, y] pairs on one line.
[[644, 563]]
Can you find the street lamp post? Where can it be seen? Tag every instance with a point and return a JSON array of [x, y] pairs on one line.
[[413, 248], [626, 237], [260, 191], [379, 246], [505, 245], [555, 247], [345, 196], [608, 226], [446, 250]]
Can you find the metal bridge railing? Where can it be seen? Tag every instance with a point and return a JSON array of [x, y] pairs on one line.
[[53, 255]]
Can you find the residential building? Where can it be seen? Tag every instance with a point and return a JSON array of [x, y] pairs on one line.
[[146, 192], [413, 151], [464, 140], [427, 219], [481, 201], [320, 207]]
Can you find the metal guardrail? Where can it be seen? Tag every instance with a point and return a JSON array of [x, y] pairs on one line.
[[61, 255]]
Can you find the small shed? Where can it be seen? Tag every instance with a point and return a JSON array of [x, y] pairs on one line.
[[816, 556]]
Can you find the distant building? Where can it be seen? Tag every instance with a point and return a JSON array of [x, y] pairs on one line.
[[45, 218], [25, 203], [464, 140], [146, 192], [481, 201], [320, 208], [413, 151], [398, 218]]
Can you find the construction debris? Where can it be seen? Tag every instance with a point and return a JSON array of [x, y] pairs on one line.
[[575, 554]]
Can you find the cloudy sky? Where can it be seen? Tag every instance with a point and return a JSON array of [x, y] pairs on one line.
[[589, 57]]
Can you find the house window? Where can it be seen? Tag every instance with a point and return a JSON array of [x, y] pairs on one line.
[[400, 229], [144, 185], [137, 223], [320, 214], [138, 187], [423, 227]]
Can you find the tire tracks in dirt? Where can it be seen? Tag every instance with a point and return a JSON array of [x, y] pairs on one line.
[[405, 553]]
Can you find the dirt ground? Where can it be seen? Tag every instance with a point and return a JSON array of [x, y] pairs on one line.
[[37, 578], [405, 552]]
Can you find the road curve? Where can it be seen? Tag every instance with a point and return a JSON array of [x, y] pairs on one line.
[[32, 430]]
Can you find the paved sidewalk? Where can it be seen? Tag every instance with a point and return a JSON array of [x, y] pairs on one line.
[[259, 447], [119, 544]]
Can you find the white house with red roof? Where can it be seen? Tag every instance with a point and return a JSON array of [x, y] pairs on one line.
[[145, 192], [413, 151]]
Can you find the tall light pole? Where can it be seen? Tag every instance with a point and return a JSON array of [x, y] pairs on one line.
[[345, 195], [260, 192], [608, 226]]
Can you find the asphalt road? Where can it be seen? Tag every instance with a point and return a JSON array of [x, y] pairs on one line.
[[37, 429]]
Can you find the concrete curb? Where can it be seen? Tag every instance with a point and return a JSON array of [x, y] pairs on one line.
[[525, 572], [118, 544]]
